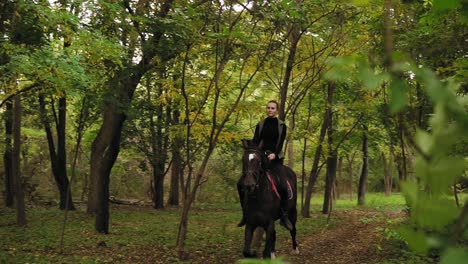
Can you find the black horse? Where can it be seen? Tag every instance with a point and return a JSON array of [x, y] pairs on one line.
[[261, 199]]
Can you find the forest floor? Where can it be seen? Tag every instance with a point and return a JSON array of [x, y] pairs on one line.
[[359, 239], [140, 234]]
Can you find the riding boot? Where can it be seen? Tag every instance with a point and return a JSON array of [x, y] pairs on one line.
[[284, 220]]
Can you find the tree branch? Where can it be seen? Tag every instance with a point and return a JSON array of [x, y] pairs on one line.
[[18, 92]]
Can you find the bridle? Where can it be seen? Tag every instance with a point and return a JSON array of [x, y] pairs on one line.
[[253, 154]]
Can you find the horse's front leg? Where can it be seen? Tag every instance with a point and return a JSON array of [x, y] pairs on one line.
[[270, 238], [247, 241]]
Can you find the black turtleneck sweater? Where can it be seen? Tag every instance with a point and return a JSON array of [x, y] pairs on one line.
[[269, 135]]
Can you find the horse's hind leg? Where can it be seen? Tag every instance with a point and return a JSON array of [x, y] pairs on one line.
[[293, 219], [247, 241]]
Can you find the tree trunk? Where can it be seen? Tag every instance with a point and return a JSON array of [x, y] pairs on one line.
[[365, 169], [176, 164], [106, 146], [91, 205], [7, 156], [304, 149], [294, 38], [388, 173], [350, 176], [159, 164], [189, 199], [158, 153], [329, 182], [339, 179], [403, 151], [315, 166], [15, 168], [292, 124], [104, 152], [158, 192], [80, 129], [332, 154], [58, 159], [66, 201]]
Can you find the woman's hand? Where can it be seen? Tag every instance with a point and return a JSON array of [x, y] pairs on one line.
[[271, 156]]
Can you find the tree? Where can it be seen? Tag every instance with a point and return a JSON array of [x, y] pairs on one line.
[[58, 157], [15, 167], [7, 156], [361, 193], [332, 155], [120, 89]]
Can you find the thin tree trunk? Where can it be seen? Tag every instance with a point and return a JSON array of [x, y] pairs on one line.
[[66, 201], [158, 153], [339, 178], [158, 192], [403, 152], [292, 124], [304, 149], [365, 169], [332, 154], [388, 171], [295, 36], [223, 48], [58, 158], [79, 136], [176, 164], [315, 166], [455, 194], [329, 182], [350, 176], [91, 205], [7, 156], [15, 168], [421, 120]]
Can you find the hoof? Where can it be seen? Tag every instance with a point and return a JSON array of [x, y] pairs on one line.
[[295, 251], [273, 256]]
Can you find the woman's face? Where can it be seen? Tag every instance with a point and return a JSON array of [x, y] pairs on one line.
[[271, 109]]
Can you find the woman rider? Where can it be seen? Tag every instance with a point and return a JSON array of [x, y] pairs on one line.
[[270, 134]]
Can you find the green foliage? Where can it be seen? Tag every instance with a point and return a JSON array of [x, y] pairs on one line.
[[432, 214], [436, 170]]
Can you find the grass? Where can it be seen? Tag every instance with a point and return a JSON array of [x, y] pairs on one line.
[[379, 201], [212, 232]]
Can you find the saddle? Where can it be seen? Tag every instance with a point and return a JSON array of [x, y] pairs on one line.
[[275, 189]]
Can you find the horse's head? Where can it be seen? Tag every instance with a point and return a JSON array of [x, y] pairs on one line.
[[251, 165]]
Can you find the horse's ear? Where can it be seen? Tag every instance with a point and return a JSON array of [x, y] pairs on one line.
[[245, 143]]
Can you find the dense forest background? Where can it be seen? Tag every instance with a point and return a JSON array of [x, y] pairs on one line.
[[143, 102]]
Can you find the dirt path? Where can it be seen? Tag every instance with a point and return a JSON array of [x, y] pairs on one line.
[[356, 240]]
